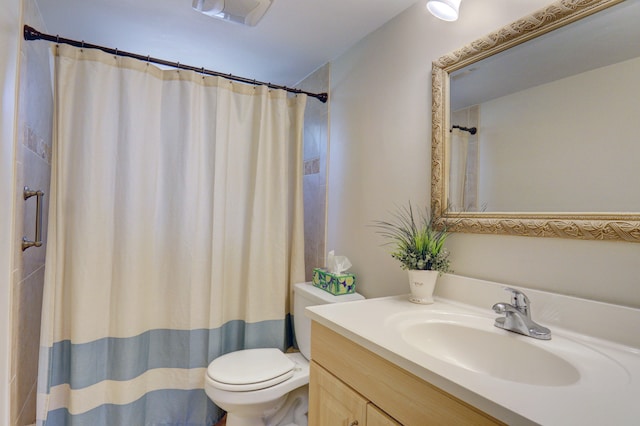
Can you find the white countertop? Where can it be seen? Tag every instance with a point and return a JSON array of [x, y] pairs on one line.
[[595, 399]]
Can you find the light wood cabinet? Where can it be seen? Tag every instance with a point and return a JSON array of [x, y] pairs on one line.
[[331, 402], [349, 383]]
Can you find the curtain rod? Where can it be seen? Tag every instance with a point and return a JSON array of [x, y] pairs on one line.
[[31, 33], [471, 130]]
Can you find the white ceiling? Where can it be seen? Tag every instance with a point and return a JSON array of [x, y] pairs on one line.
[[294, 38]]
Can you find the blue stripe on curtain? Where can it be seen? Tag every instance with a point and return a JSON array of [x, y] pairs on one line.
[[164, 404], [111, 358], [121, 359]]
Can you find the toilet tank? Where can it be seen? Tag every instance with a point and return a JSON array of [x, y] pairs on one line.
[[305, 294]]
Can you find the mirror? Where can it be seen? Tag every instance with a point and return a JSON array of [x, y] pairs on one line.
[[534, 126]]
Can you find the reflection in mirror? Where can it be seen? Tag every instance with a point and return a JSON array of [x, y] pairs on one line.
[[555, 98], [555, 119]]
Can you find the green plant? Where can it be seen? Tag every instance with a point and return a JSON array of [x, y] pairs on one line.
[[418, 243]]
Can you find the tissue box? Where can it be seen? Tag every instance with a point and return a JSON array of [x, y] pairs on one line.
[[334, 283]]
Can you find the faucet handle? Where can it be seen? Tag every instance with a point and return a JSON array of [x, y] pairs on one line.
[[519, 300]]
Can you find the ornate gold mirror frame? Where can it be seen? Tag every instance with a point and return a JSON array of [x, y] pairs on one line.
[[586, 226]]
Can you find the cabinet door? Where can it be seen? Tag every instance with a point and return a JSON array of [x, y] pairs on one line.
[[332, 403], [377, 417]]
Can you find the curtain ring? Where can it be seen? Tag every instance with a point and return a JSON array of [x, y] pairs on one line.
[[57, 39], [82, 46]]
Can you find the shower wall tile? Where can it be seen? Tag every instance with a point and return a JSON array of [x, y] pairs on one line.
[[27, 299], [312, 166], [316, 124], [315, 129], [36, 95], [315, 190], [33, 165], [20, 220], [25, 417]]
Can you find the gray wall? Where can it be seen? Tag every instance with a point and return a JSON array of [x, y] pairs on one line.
[[380, 156]]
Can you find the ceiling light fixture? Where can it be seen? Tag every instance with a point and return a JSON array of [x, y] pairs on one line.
[[247, 12], [447, 10]]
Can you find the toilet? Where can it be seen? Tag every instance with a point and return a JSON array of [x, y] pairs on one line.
[[258, 387]]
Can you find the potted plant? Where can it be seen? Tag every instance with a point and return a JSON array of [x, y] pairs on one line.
[[419, 246]]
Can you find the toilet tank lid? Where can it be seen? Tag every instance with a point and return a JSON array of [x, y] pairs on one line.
[[250, 366], [321, 297]]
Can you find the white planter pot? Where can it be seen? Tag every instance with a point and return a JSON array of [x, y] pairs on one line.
[[422, 284]]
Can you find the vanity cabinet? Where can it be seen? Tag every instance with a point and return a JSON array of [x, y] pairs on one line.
[[331, 402], [350, 385]]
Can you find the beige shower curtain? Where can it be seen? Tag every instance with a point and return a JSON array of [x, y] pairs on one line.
[[458, 169], [175, 236]]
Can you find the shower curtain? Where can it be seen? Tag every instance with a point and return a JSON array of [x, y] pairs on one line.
[[458, 169], [175, 234]]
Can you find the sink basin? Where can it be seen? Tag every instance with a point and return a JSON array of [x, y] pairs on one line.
[[505, 356], [471, 343]]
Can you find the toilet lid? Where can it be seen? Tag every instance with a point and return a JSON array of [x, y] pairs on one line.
[[250, 369]]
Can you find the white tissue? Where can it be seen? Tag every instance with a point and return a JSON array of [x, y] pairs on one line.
[[337, 264]]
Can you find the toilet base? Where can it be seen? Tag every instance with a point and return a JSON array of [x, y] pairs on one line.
[[291, 411]]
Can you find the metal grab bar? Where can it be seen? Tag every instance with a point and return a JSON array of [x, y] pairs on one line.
[[26, 243]]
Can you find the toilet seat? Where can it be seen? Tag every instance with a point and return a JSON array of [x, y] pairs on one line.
[[250, 369]]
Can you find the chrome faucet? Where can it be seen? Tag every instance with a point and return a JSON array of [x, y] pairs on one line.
[[518, 317]]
